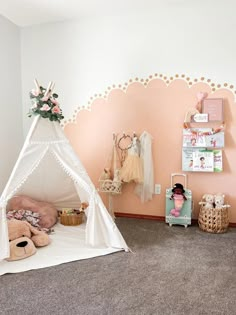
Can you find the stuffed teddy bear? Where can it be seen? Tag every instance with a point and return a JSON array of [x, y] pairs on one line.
[[48, 213], [208, 201], [179, 197], [219, 200], [24, 239]]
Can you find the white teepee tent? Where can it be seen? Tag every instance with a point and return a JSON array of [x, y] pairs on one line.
[[49, 170]]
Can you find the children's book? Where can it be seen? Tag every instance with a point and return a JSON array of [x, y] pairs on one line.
[[218, 164], [202, 138], [201, 160]]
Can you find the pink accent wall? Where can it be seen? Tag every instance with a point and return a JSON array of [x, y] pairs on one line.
[[158, 108]]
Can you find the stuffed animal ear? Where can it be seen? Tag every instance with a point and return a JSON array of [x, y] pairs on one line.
[[31, 228], [39, 238]]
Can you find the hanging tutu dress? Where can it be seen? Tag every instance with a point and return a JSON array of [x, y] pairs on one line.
[[132, 169]]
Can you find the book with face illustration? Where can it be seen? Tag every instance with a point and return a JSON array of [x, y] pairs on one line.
[[202, 138], [201, 160]]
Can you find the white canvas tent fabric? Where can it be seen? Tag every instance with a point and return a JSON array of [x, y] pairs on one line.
[[49, 170]]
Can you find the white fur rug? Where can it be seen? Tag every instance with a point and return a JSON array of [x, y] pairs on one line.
[[67, 244]]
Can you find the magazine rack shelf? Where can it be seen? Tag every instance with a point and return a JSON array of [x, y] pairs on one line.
[[203, 141]]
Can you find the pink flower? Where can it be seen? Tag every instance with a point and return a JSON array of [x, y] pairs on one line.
[[54, 101], [45, 108], [44, 99], [35, 92], [56, 110]]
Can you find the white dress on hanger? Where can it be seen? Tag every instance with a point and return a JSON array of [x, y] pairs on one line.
[[146, 189]]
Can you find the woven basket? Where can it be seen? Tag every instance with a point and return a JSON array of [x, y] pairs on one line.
[[71, 219], [110, 186], [213, 220]]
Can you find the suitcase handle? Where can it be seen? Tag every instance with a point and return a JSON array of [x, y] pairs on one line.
[[179, 174]]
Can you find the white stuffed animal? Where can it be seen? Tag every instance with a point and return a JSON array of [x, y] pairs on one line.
[[219, 200], [208, 201]]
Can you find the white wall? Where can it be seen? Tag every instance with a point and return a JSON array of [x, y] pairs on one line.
[[86, 56], [11, 135]]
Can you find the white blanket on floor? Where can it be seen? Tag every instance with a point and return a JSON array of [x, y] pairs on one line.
[[67, 244]]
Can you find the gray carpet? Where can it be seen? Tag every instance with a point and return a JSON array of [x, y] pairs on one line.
[[172, 271]]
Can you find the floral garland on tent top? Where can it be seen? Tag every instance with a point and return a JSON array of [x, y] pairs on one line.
[[45, 103]]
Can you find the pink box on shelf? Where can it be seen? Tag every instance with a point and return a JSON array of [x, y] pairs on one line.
[[214, 108]]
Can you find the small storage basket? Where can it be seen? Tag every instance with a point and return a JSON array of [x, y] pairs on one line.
[[71, 219], [213, 220], [110, 186]]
